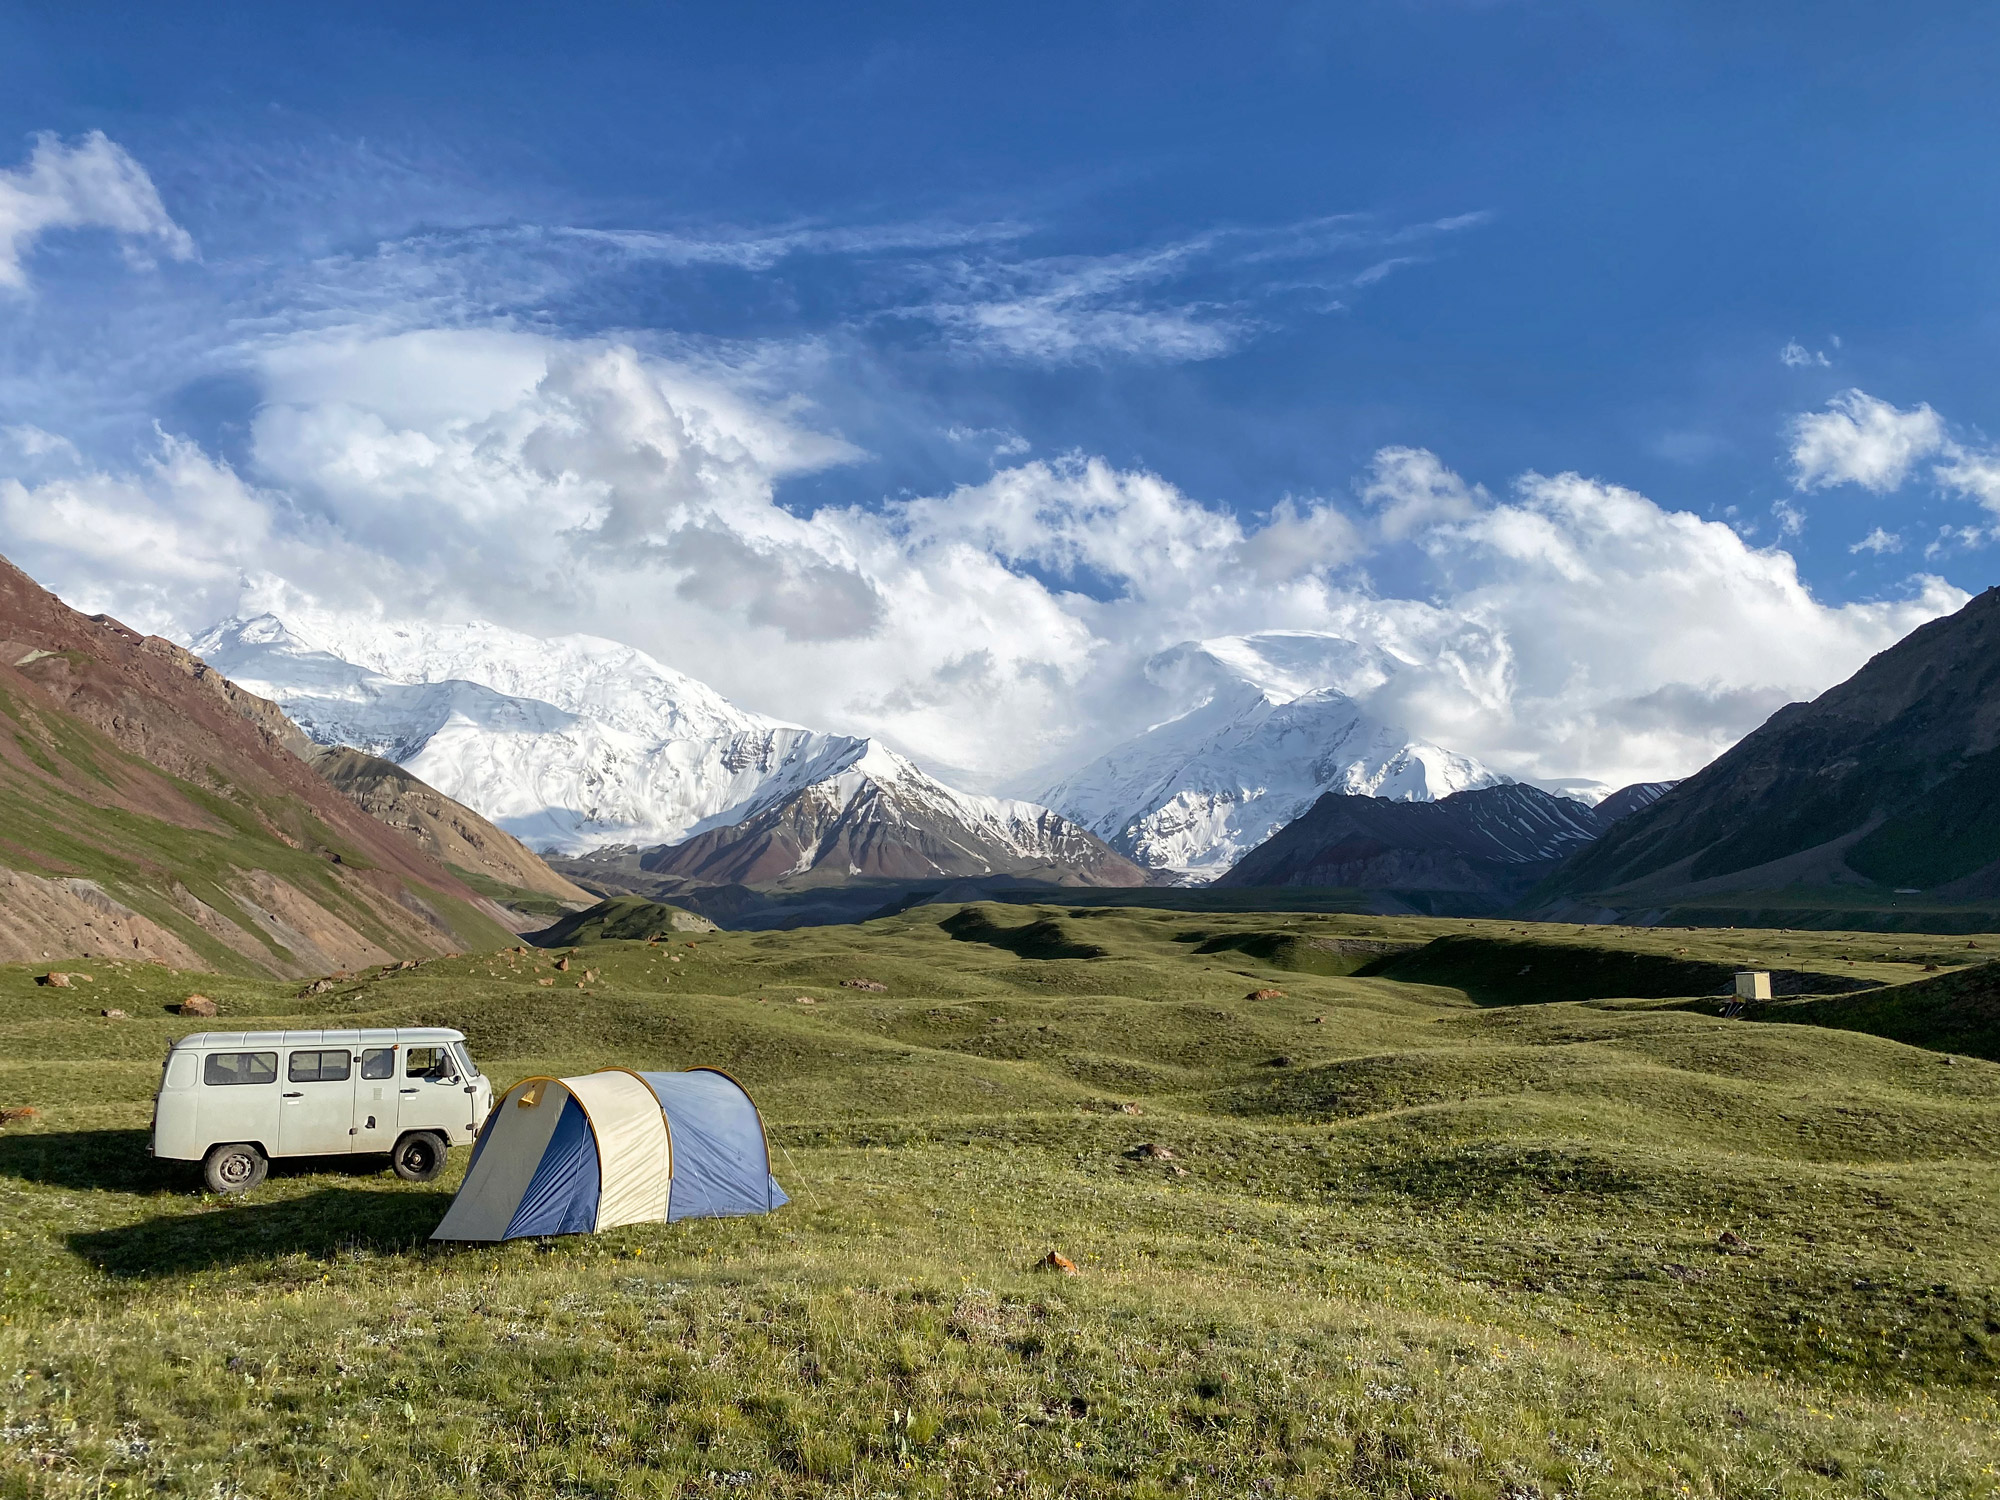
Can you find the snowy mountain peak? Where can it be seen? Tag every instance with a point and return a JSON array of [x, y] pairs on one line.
[[1274, 726], [1281, 664], [579, 742]]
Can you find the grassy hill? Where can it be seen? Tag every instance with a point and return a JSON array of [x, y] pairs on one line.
[[1394, 1241]]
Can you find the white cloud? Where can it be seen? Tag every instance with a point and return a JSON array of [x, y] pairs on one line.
[[1862, 440], [1878, 542], [1572, 629], [1410, 490], [91, 184], [1797, 356]]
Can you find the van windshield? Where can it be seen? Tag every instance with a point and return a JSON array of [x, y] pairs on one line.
[[465, 1060]]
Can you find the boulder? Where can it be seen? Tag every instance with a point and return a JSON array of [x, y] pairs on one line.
[[562, 964], [53, 980], [197, 1005]]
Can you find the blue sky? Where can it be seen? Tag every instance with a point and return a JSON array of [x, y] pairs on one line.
[[1241, 250]]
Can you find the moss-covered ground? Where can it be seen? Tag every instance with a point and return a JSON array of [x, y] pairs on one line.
[[1393, 1241]]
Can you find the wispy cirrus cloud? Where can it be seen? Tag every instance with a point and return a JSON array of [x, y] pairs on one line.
[[1190, 299]]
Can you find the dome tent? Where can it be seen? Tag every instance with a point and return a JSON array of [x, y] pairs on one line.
[[576, 1155]]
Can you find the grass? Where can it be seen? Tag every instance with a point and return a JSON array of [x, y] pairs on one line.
[[1406, 1244]]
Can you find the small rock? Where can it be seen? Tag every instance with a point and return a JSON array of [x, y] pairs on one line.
[[1177, 1170], [115, 1015], [54, 980], [562, 964], [1319, 1020], [1282, 1060], [545, 983], [198, 1005], [804, 1000], [865, 984], [1130, 1109], [1056, 1261], [1148, 1151], [1265, 995], [590, 975], [317, 987], [1729, 1242]]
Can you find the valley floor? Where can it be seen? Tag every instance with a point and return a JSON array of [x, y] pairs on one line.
[[1395, 1242]]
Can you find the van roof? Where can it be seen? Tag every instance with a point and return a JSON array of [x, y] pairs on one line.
[[374, 1036]]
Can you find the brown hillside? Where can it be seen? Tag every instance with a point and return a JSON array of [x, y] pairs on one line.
[[150, 807]]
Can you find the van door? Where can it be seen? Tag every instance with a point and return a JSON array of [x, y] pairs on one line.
[[317, 1102], [433, 1095], [375, 1100]]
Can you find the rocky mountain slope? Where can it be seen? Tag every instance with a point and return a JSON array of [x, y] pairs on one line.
[[1273, 728], [1889, 781], [580, 743], [881, 818], [151, 809], [447, 831], [1480, 848]]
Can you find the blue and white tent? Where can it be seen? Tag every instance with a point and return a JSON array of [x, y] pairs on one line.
[[575, 1155]]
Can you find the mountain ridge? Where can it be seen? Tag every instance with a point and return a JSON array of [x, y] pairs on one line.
[[1274, 726]]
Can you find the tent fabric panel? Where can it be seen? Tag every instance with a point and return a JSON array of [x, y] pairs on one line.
[[631, 1146], [503, 1163], [562, 1196], [721, 1166]]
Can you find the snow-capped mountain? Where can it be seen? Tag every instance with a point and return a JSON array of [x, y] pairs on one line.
[[579, 742], [882, 817], [1274, 727]]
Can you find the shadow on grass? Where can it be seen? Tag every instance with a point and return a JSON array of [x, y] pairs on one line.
[[328, 1224], [117, 1161]]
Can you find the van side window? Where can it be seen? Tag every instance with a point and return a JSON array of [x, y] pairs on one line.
[[378, 1062], [429, 1062], [240, 1067], [319, 1067]]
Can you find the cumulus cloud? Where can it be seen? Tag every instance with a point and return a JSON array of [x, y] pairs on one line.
[[1797, 356], [1862, 440], [1569, 628], [89, 184], [1411, 490]]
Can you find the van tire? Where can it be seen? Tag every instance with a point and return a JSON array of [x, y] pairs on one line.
[[235, 1167], [419, 1156]]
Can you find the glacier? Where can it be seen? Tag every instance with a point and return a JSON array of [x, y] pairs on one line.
[[1275, 724], [578, 743]]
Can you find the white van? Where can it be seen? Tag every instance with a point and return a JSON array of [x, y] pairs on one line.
[[232, 1100]]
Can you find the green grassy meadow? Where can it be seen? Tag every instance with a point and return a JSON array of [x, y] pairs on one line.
[[1400, 1238]]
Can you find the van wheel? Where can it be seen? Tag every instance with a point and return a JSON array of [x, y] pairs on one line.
[[234, 1168], [418, 1157]]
